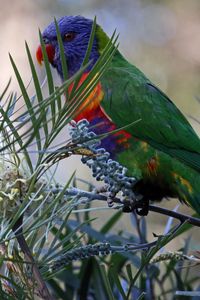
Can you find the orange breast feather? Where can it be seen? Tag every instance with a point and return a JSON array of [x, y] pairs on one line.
[[91, 103]]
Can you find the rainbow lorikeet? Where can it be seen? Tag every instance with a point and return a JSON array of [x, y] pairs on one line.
[[162, 151]]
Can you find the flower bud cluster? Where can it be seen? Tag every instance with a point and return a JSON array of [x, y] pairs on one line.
[[12, 189], [14, 184], [100, 249], [103, 167]]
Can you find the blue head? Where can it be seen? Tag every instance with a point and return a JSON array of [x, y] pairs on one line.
[[75, 32]]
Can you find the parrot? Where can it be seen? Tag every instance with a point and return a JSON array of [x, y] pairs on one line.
[[162, 150]]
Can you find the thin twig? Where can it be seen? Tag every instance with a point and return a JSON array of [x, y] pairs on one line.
[[91, 196], [181, 217]]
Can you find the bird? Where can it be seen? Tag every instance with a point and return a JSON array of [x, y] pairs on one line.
[[162, 150]]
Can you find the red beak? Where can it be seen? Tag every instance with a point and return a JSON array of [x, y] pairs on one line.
[[50, 53]]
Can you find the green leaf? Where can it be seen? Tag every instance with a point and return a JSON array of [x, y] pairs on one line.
[[49, 75], [106, 282], [129, 272], [90, 43], [87, 55], [58, 290], [5, 90], [15, 134], [28, 103], [115, 277], [111, 222], [142, 296], [37, 89], [63, 57]]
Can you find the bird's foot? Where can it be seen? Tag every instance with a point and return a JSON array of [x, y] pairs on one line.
[[141, 207]]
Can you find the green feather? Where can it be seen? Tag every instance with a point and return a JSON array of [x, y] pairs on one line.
[[170, 140], [102, 38], [130, 96]]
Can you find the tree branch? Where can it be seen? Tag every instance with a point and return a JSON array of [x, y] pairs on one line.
[[181, 217], [91, 196]]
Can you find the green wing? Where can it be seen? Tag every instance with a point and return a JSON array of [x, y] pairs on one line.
[[130, 96]]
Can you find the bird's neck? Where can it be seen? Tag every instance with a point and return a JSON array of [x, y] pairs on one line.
[[91, 105]]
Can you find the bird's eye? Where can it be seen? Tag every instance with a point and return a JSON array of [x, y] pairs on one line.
[[69, 36]]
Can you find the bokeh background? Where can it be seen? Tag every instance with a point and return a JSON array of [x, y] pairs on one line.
[[161, 37]]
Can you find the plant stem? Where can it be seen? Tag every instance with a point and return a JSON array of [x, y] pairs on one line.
[[42, 288]]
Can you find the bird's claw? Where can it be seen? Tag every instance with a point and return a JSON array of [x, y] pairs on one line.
[[141, 207]]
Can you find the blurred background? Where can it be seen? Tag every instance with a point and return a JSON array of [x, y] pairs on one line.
[[161, 37]]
